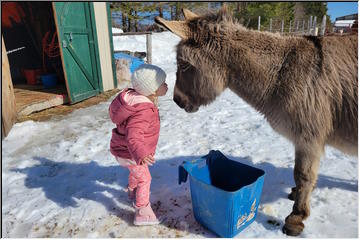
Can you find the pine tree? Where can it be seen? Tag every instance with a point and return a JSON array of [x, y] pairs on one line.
[[246, 12]]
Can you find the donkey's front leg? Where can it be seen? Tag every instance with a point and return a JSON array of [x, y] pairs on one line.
[[307, 160]]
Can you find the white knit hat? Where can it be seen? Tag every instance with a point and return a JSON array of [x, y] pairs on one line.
[[147, 78]]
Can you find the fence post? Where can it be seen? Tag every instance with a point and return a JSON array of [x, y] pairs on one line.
[[314, 23], [282, 26], [303, 27], [290, 27], [297, 26], [323, 26], [270, 24], [148, 48], [310, 24], [259, 23]]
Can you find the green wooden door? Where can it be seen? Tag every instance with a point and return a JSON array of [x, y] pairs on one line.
[[77, 38]]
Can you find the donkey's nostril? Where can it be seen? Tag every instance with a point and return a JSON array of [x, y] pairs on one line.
[[178, 102]]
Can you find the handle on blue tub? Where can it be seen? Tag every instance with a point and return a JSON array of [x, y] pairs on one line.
[[182, 174]]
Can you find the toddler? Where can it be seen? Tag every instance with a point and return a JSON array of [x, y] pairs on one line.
[[134, 139]]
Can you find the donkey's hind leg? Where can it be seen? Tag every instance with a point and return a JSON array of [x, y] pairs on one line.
[[307, 160]]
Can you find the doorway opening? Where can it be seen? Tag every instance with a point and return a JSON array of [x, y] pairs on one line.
[[32, 47]]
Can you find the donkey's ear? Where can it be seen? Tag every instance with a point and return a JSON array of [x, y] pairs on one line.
[[180, 28], [189, 15]]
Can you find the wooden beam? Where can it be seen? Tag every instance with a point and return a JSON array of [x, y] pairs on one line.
[[148, 48], [8, 106], [61, 51]]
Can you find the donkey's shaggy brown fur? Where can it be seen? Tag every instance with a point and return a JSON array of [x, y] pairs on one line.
[[306, 87]]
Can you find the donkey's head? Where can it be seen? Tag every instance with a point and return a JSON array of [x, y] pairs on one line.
[[201, 62]]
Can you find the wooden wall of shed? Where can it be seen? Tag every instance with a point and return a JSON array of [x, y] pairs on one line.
[[8, 107], [102, 30]]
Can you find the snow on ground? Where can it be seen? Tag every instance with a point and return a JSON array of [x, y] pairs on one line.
[[60, 180], [116, 30]]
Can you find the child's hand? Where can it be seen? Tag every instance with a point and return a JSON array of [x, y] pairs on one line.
[[150, 160]]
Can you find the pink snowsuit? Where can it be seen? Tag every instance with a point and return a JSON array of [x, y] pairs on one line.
[[135, 137]]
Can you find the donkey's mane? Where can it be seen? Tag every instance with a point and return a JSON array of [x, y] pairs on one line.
[[223, 23]]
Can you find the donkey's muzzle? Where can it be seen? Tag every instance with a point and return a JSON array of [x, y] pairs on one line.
[[178, 101]]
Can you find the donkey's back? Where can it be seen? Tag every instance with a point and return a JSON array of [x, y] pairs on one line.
[[341, 69]]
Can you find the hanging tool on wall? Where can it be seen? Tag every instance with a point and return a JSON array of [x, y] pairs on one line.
[[14, 50], [50, 48]]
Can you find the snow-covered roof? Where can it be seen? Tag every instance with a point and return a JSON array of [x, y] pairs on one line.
[[344, 23]]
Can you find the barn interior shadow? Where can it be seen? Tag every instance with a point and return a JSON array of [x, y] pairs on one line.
[[64, 182]]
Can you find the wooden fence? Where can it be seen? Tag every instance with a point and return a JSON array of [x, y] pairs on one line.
[[148, 42]]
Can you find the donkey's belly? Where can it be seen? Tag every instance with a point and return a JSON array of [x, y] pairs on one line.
[[345, 145], [283, 128]]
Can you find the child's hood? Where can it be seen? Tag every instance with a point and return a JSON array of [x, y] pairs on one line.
[[128, 103]]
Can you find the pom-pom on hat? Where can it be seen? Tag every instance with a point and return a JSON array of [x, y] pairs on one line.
[[147, 78]]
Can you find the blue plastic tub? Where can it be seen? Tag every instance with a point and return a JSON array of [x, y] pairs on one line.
[[225, 194], [134, 62], [49, 80]]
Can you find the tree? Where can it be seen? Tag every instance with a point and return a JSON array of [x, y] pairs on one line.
[[175, 9], [130, 13], [160, 10], [134, 13], [250, 11], [299, 11], [318, 9]]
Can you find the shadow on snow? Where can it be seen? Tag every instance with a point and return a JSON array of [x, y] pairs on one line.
[[66, 182]]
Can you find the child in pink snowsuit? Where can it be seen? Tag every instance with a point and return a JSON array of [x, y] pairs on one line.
[[133, 141]]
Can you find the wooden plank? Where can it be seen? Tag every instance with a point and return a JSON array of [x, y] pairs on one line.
[[32, 98], [61, 51], [96, 49], [111, 43], [8, 108]]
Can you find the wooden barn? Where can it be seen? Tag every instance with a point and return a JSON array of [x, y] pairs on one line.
[[54, 53]]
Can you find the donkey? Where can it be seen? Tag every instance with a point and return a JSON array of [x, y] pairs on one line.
[[305, 86]]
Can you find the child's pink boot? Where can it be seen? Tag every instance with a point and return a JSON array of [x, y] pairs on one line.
[[145, 216]]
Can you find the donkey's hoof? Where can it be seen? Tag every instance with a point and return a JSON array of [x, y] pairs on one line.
[[293, 230], [293, 225]]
